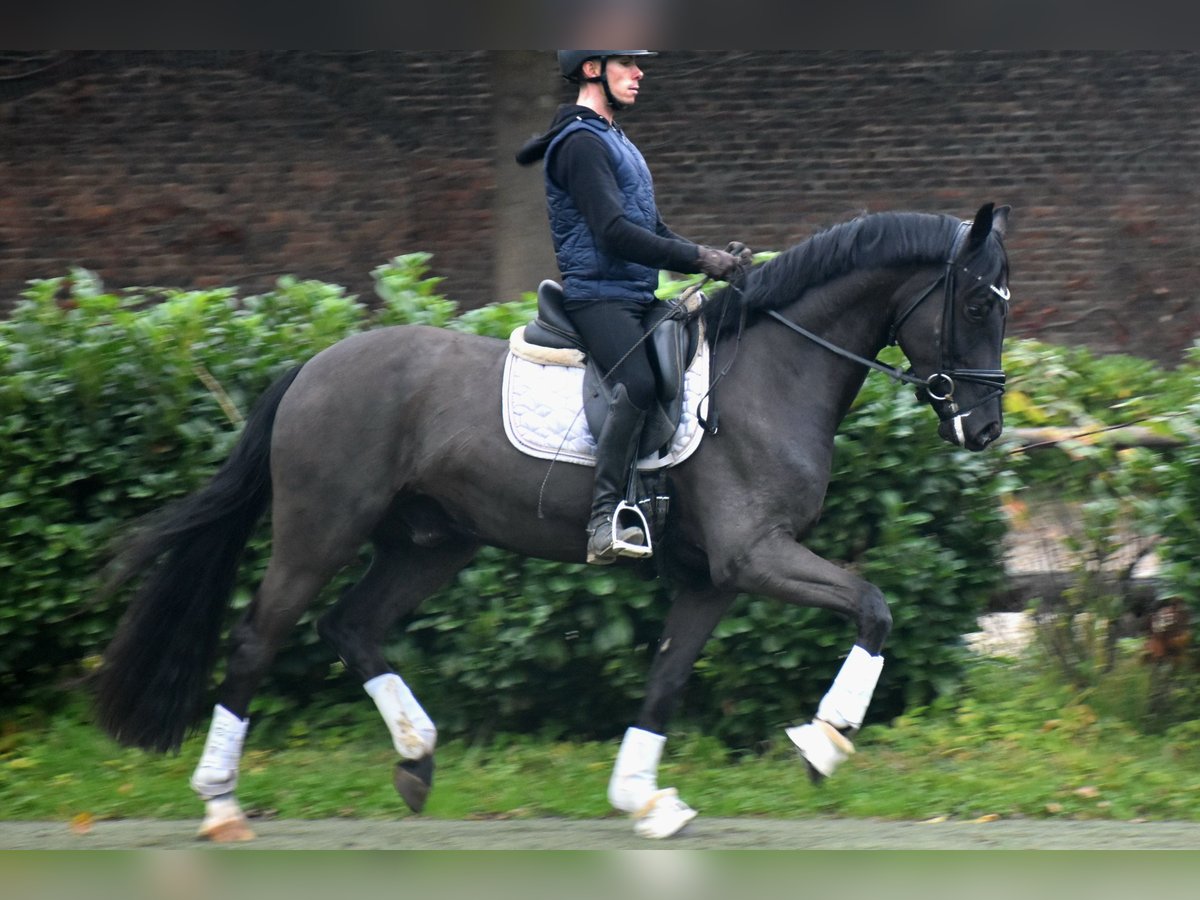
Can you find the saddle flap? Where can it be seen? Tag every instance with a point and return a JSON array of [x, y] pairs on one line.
[[673, 344]]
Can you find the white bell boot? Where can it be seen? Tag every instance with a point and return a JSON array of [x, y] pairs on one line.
[[823, 742], [633, 787], [822, 746]]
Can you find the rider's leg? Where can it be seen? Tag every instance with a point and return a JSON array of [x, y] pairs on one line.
[[616, 454], [612, 330]]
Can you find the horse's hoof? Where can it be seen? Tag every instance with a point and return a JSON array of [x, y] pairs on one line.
[[413, 779], [815, 778], [231, 831], [663, 816]]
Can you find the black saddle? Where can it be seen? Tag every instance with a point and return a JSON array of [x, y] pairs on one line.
[[673, 343]]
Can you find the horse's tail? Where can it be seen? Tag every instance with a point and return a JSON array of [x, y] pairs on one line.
[[152, 681]]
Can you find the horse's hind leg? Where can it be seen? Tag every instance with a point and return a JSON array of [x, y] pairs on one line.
[[400, 577], [633, 787], [309, 546], [286, 591]]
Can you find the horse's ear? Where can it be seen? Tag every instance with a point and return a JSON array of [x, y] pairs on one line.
[[1000, 220], [981, 227]]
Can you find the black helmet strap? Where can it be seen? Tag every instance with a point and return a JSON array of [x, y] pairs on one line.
[[602, 78]]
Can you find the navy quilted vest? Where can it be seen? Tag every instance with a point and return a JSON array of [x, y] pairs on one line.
[[589, 273]]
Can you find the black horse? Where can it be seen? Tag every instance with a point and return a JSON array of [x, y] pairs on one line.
[[394, 438]]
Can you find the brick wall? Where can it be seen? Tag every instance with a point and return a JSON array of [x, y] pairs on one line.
[[234, 167], [1098, 153]]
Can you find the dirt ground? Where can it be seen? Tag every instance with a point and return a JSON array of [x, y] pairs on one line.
[[616, 834]]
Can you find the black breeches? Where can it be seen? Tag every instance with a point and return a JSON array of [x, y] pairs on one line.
[[609, 329]]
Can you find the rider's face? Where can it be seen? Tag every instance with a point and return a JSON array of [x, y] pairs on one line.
[[624, 78]]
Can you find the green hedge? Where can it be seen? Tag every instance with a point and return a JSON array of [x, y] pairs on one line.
[[1173, 512], [115, 403], [1123, 488]]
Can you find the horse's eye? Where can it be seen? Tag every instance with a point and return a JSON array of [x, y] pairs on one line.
[[976, 311]]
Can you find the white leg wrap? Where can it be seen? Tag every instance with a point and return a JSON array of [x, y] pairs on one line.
[[633, 787], [635, 776], [845, 706], [413, 733], [217, 772]]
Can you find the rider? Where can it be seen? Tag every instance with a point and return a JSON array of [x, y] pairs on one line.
[[610, 243]]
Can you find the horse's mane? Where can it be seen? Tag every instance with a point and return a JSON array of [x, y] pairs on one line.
[[877, 240]]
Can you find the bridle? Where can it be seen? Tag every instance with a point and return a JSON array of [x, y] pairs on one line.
[[941, 385]]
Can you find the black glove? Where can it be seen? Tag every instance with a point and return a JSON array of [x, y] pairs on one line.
[[744, 254], [717, 263]]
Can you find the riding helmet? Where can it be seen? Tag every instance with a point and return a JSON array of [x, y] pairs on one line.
[[569, 61]]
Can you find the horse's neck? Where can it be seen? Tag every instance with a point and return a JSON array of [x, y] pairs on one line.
[[852, 314]]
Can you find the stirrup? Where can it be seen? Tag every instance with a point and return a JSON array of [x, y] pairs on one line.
[[615, 547], [624, 548]]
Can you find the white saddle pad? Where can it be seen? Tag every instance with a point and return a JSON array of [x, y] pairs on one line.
[[543, 411]]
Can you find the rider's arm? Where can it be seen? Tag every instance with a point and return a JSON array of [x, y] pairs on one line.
[[582, 167]]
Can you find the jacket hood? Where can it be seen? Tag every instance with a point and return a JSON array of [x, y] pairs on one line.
[[534, 150]]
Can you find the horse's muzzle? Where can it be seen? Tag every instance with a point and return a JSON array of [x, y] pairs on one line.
[[971, 430]]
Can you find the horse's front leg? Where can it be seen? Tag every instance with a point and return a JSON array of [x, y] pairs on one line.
[[781, 568], [633, 788]]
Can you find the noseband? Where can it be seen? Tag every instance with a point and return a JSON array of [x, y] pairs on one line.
[[941, 385]]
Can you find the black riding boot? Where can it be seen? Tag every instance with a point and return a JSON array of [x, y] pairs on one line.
[[616, 453]]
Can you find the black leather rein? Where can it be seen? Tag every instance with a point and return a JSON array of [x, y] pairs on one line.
[[941, 384]]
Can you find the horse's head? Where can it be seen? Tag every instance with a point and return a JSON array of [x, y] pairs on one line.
[[954, 340]]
